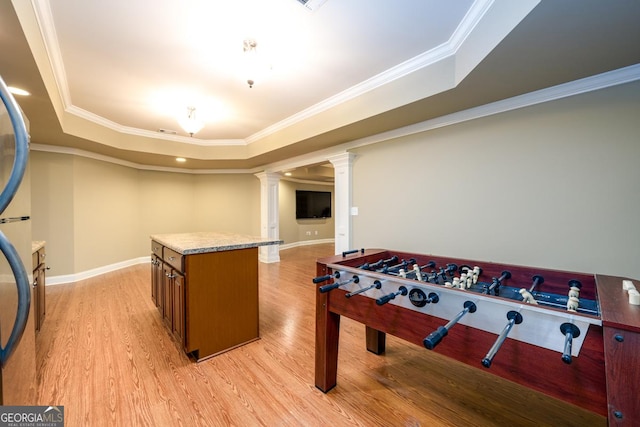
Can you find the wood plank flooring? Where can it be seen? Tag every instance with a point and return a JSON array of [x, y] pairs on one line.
[[105, 355]]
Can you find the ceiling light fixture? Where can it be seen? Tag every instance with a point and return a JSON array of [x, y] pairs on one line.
[[251, 58], [191, 124], [180, 159]]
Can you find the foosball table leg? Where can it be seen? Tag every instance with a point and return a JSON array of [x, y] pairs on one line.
[[376, 340], [327, 338]]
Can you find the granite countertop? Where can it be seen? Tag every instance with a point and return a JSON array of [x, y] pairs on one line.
[[203, 242], [36, 245]]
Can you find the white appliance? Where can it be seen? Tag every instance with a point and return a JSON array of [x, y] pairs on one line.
[[17, 331]]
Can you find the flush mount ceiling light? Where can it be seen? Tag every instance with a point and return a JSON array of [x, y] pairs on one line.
[[191, 124]]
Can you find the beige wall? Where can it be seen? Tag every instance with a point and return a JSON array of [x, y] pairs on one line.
[[554, 185], [106, 214], [93, 214], [166, 205], [52, 210], [294, 230], [227, 202]]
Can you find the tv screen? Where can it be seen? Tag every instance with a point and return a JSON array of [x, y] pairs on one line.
[[313, 204]]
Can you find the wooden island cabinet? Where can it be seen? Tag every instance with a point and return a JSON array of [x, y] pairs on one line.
[[205, 286]]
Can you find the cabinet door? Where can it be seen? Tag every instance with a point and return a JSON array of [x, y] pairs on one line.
[[38, 296], [167, 295], [41, 295], [178, 306], [154, 279]]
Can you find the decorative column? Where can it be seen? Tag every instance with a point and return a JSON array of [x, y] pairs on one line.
[[269, 215], [343, 166]]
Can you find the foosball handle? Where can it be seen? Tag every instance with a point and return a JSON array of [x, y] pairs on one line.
[[352, 251], [402, 290], [329, 287], [321, 279], [435, 337]]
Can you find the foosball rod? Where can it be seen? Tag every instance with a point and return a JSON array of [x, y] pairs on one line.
[[397, 267], [527, 296], [496, 283], [415, 270], [434, 275], [537, 280], [434, 338], [402, 290], [332, 286], [570, 332], [418, 268], [377, 284], [515, 318], [367, 266]]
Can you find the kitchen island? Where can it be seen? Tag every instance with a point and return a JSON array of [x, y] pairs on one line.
[[205, 286]]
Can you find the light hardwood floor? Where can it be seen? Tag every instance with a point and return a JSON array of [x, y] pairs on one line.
[[105, 355]]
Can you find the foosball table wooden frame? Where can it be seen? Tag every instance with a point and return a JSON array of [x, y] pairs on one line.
[[604, 378]]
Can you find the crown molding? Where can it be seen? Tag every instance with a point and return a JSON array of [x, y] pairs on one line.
[[306, 181], [589, 84], [101, 121], [108, 159], [44, 19]]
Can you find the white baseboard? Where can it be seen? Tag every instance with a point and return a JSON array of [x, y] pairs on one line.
[[70, 278], [306, 243]]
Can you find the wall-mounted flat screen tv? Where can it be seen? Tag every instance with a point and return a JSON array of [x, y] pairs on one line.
[[313, 204]]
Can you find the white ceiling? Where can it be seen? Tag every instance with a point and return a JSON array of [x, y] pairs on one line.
[[107, 75], [140, 64]]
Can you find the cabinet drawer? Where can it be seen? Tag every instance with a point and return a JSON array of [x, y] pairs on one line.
[[156, 248], [174, 259]]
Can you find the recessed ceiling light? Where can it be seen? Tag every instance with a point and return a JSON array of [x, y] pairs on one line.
[[287, 174], [18, 91], [181, 159]]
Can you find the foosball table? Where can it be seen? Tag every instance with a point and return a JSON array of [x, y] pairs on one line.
[[584, 328]]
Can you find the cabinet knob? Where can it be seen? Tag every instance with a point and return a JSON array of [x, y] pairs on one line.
[[171, 258]]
